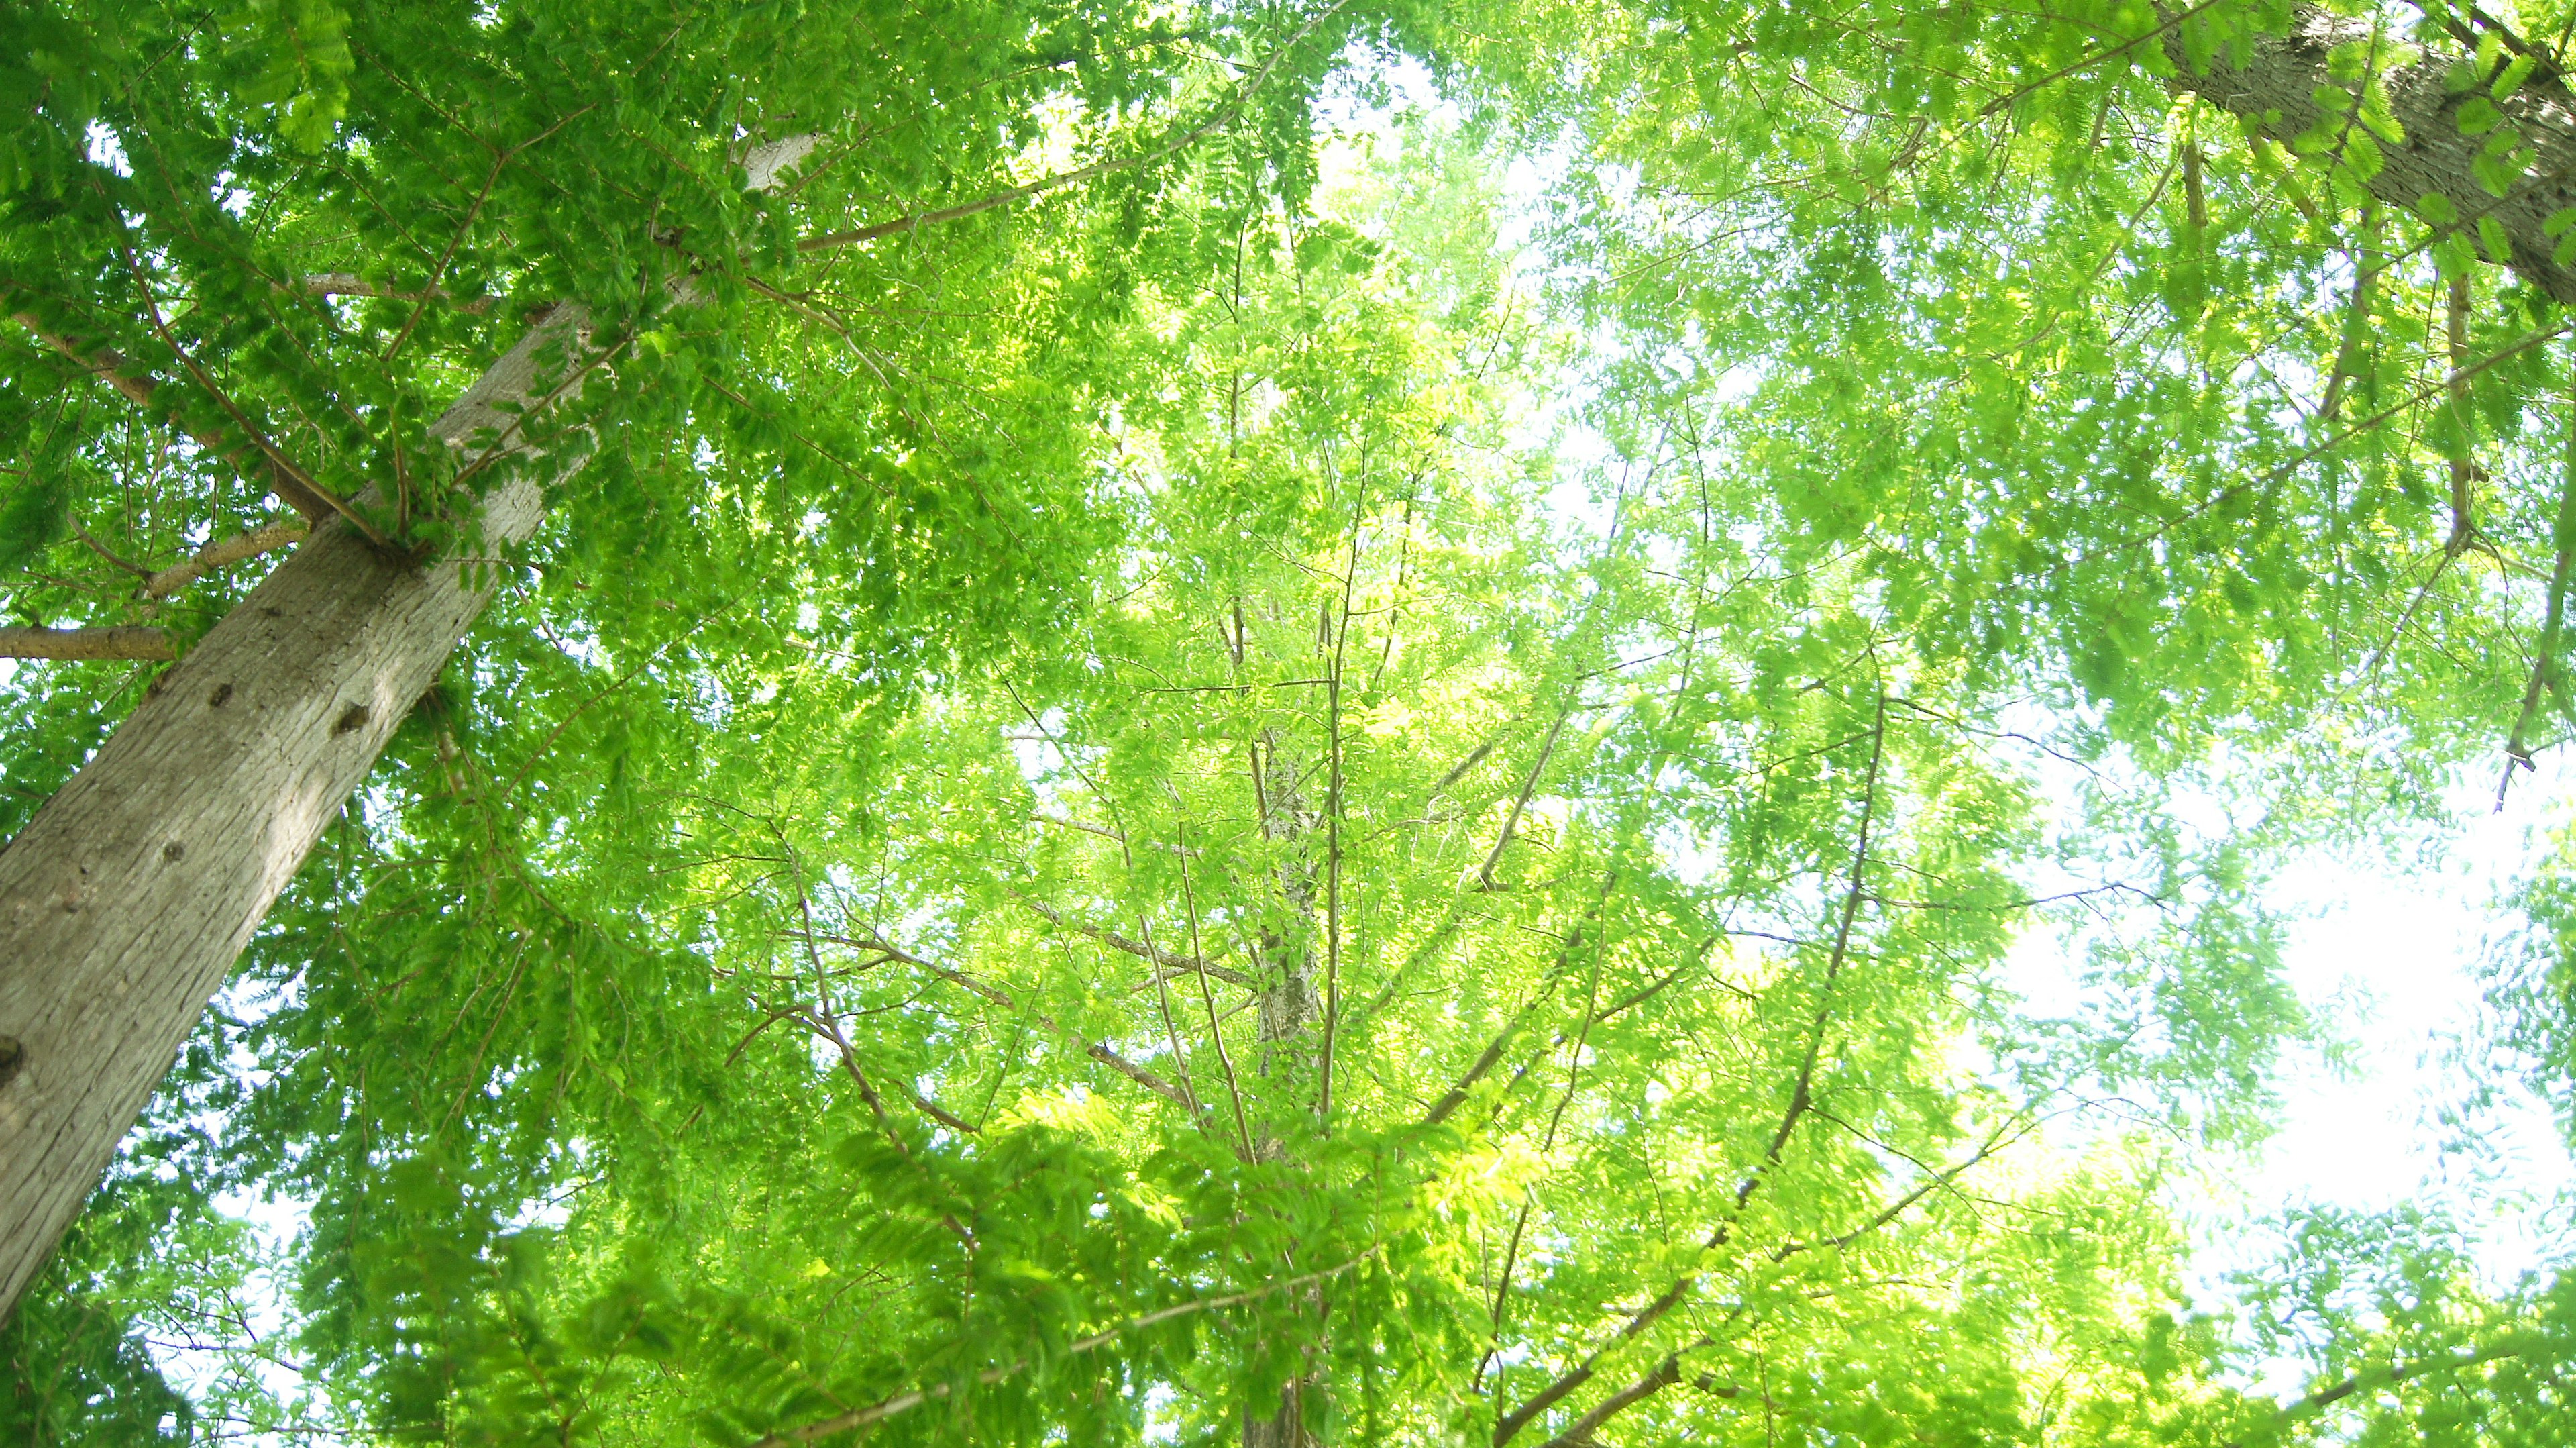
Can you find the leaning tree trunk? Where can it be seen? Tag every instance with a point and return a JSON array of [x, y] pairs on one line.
[[125, 901], [2281, 76]]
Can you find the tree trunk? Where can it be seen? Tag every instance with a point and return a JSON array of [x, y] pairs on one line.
[[2282, 74], [1285, 1428], [1291, 1007], [1290, 1032], [126, 899]]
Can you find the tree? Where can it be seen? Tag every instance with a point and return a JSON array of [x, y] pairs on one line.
[[1257, 1010], [190, 203], [1323, 917]]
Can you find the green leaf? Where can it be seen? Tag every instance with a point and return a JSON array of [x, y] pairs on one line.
[[2516, 71], [2492, 237]]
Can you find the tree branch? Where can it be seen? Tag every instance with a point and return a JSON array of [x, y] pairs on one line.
[[1177, 965], [344, 284], [2544, 664], [125, 642], [117, 371], [1512, 820], [2170, 25], [280, 466], [2515, 348], [1668, 1372], [2367, 266], [2386, 1378], [1801, 1098], [1000, 997], [1661, 1376], [1456, 1096], [221, 553]]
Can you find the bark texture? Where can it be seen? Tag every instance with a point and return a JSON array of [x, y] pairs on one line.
[[2281, 74], [1286, 1425], [124, 902]]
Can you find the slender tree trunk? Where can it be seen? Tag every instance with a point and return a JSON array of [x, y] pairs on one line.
[[1291, 1007], [1290, 1032], [1285, 1427], [125, 901], [2281, 76]]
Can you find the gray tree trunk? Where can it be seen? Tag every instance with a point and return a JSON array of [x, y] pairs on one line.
[[125, 901], [2281, 74]]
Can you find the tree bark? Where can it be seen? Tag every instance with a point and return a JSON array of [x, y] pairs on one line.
[[1291, 1007], [124, 902], [2281, 75]]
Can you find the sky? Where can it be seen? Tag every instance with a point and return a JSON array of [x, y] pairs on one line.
[[2391, 956]]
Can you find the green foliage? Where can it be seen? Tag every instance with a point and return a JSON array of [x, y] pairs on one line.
[[297, 53], [32, 513], [75, 1375], [1205, 797]]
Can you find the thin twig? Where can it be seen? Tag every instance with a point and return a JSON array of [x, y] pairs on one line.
[[1801, 1098]]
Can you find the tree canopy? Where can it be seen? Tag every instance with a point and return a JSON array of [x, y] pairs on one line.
[[1538, 723]]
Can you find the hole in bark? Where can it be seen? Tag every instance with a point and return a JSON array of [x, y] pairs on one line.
[[172, 851], [223, 695], [12, 1058], [356, 717]]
